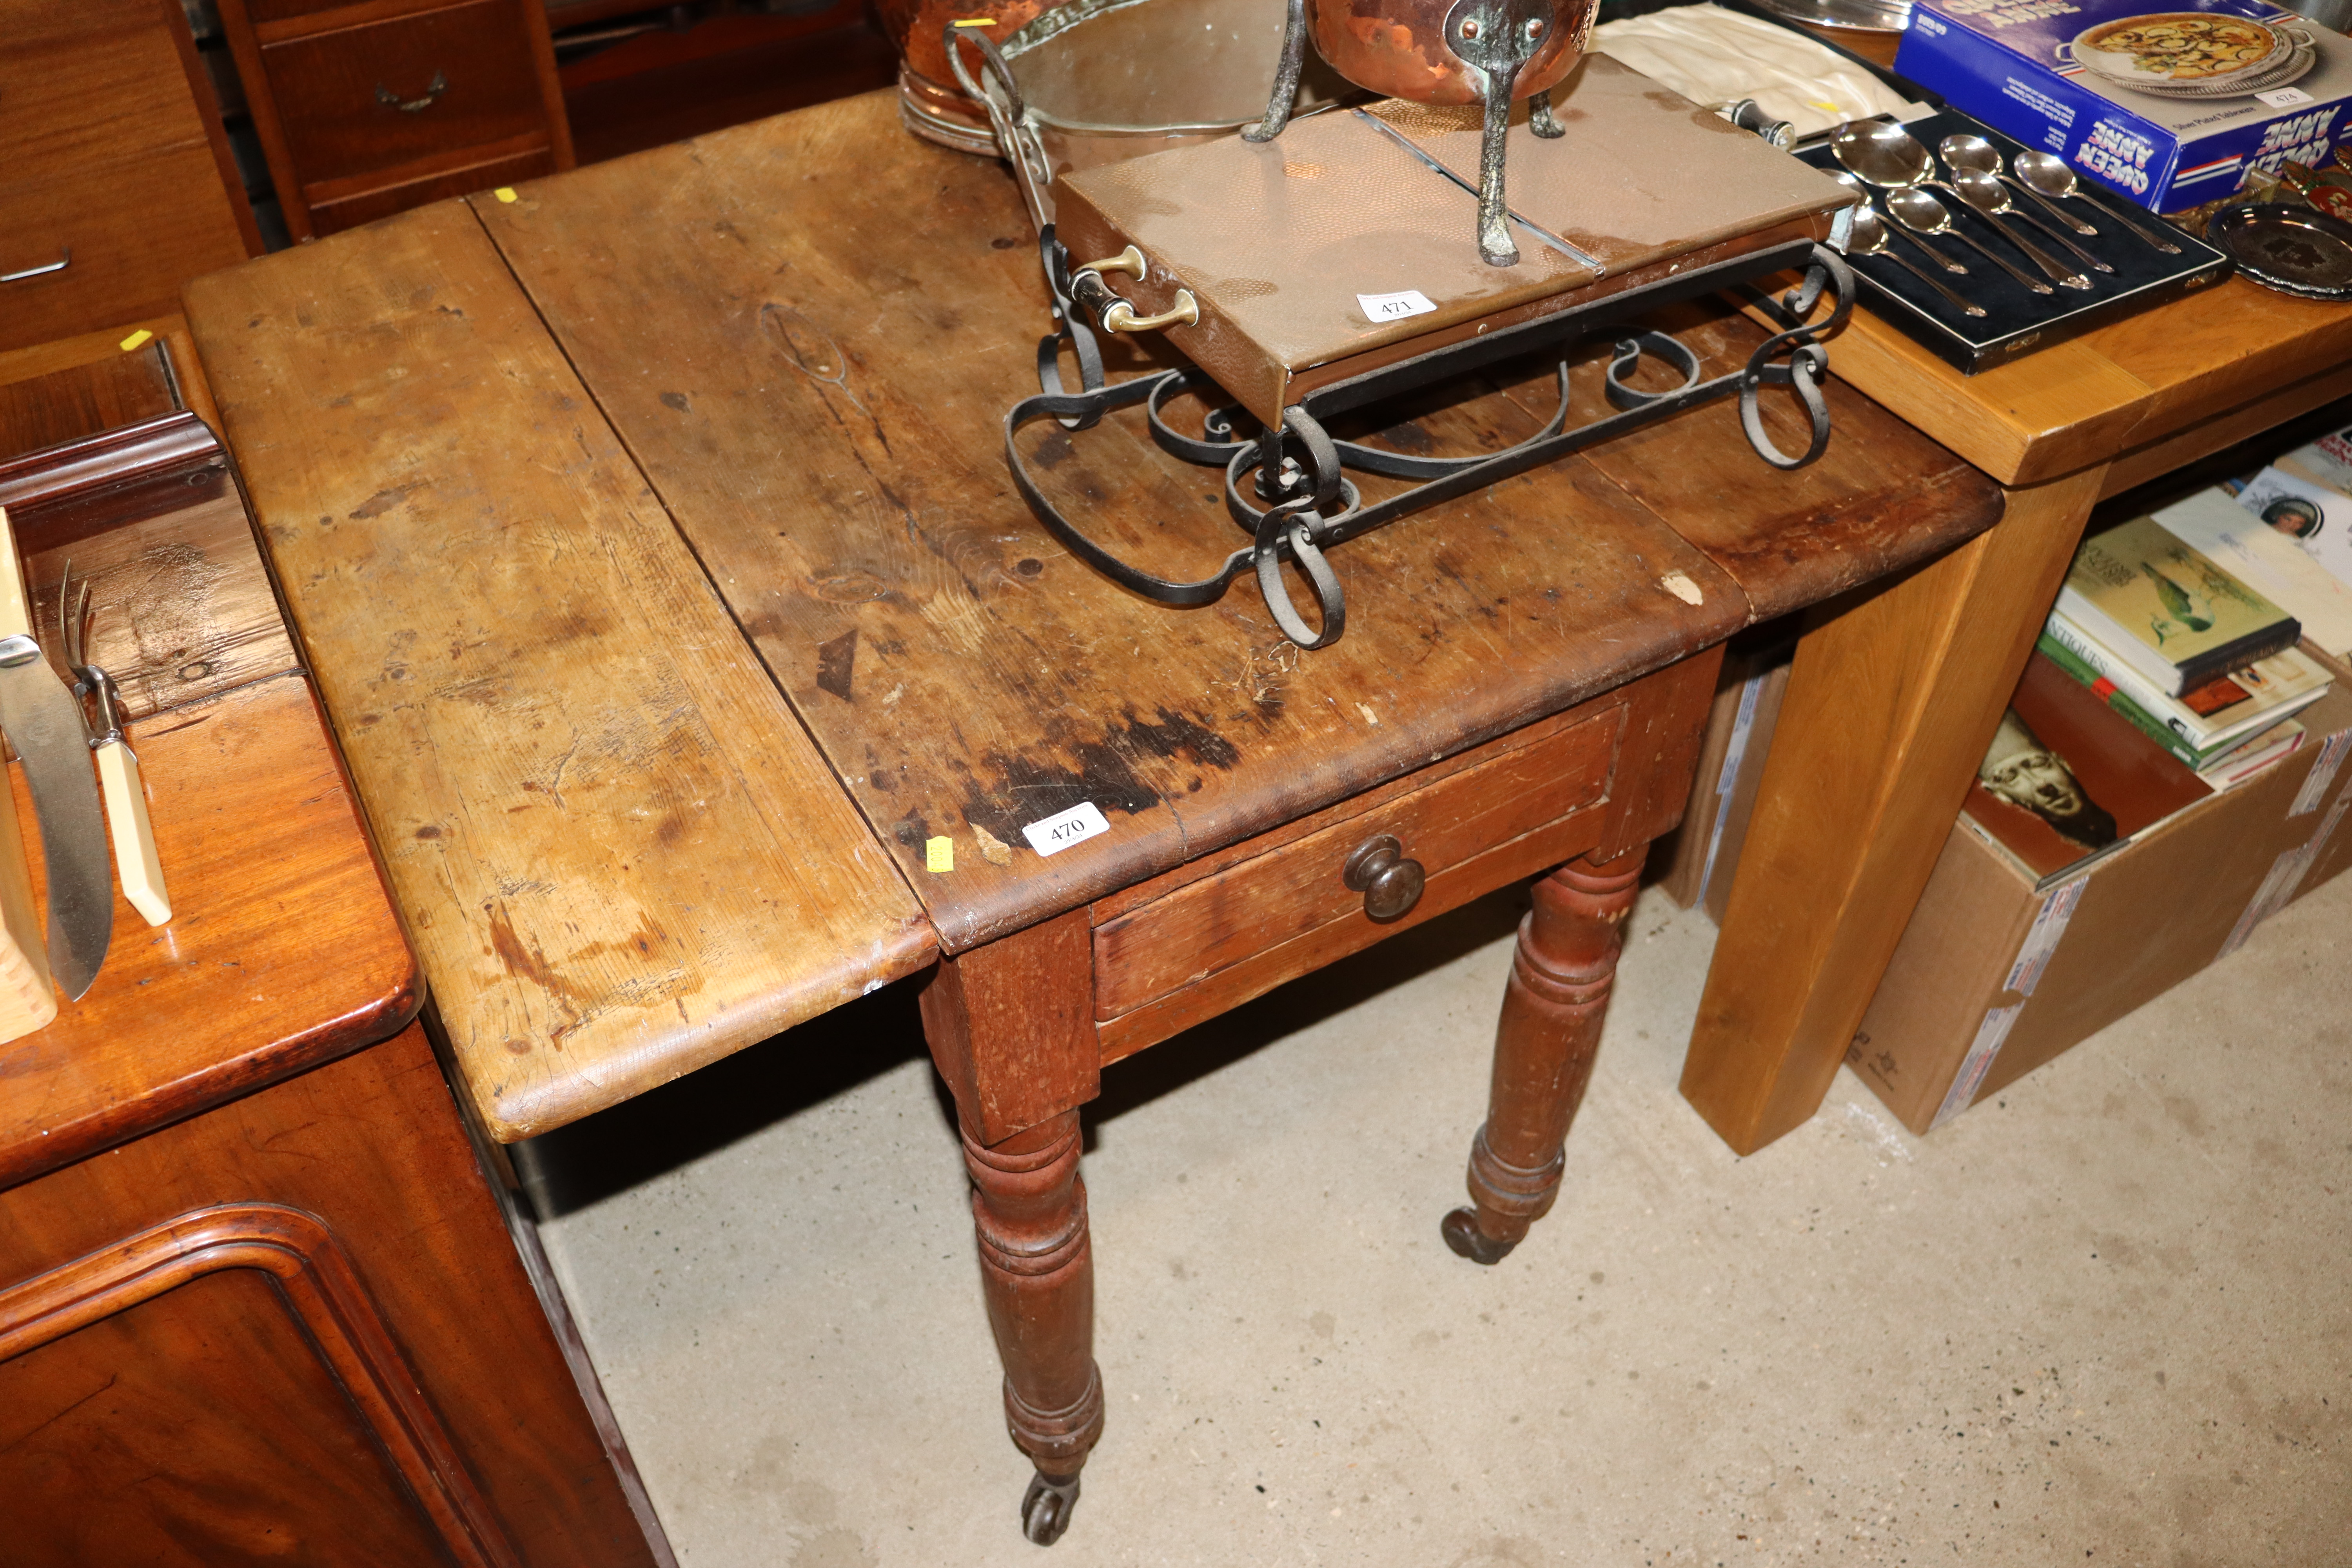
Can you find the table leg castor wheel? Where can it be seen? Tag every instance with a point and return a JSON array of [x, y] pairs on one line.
[[1463, 1235], [1046, 1507]]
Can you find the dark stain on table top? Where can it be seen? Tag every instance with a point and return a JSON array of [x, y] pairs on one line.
[[808, 353]]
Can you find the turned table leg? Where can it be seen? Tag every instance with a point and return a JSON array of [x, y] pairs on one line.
[[1552, 1011], [1037, 1270], [1010, 1027]]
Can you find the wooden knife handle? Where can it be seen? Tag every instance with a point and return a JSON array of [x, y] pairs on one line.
[[15, 608], [134, 837]]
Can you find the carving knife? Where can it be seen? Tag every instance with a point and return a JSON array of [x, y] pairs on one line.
[[46, 725]]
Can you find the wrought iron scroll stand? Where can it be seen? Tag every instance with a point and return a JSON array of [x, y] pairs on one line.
[[1287, 487]]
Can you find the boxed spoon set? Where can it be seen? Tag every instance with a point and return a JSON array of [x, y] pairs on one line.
[[2033, 276]]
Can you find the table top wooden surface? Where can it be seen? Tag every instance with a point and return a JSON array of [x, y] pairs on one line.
[[2128, 384], [283, 949], [617, 852], [780, 355]]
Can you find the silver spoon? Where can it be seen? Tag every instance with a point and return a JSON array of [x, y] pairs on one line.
[[1990, 202], [1883, 152], [1962, 151], [1993, 200], [1863, 192], [2047, 175], [1921, 212], [1868, 238]]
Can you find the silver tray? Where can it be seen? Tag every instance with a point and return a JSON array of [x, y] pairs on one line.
[[2295, 249]]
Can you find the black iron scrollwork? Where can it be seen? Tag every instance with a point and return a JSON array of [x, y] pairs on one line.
[[1287, 488], [1807, 361], [1071, 327]]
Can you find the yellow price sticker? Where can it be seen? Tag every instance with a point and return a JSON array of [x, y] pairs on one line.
[[504, 193], [977, 22], [938, 855], [138, 340]]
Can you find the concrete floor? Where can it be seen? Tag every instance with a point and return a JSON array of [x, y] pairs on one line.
[[2102, 1320]]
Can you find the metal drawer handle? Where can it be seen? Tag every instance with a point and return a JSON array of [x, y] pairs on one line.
[[65, 259], [1390, 883], [1185, 312], [1113, 314], [439, 85], [1130, 261]]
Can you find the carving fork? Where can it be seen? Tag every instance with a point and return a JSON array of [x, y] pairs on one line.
[[135, 861]]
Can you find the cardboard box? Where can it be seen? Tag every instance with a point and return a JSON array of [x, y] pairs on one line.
[[2128, 116], [1695, 863], [2332, 852], [1996, 975]]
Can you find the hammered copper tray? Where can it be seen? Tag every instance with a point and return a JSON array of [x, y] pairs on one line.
[[1278, 241]]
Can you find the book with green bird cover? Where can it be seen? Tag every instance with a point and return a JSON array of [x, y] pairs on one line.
[[2168, 609], [2204, 722], [2270, 560]]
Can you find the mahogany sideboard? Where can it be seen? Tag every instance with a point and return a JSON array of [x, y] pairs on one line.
[[119, 184], [651, 539], [258, 1297]]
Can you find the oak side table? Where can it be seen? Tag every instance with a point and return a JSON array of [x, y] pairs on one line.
[[1895, 692]]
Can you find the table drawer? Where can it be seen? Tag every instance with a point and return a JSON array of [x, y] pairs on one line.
[[458, 78], [129, 232], [1258, 902], [332, 214]]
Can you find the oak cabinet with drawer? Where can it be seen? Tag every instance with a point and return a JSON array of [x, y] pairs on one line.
[[117, 184], [369, 107]]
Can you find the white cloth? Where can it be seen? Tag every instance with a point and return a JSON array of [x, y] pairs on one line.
[[1713, 56]]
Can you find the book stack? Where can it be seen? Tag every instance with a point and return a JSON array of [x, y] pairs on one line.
[[2185, 623], [2305, 498]]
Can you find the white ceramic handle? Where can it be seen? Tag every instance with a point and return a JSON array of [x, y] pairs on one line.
[[134, 837]]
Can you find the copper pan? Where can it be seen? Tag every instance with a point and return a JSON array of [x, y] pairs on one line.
[[1405, 49], [930, 103], [1489, 52]]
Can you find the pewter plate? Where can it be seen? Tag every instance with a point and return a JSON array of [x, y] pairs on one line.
[[1862, 15], [2295, 250]]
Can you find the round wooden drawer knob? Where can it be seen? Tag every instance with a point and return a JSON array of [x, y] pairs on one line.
[[1390, 883]]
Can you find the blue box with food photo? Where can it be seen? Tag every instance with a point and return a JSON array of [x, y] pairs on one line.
[[2171, 109]]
